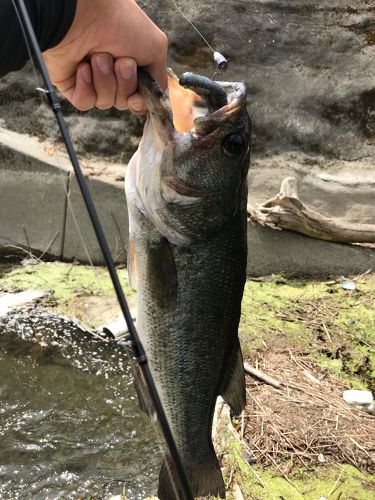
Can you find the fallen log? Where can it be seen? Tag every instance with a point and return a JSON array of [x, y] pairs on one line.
[[286, 211]]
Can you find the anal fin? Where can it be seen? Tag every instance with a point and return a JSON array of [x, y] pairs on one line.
[[162, 274], [233, 390], [144, 398]]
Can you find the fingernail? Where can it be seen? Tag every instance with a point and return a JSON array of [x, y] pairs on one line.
[[87, 75], [104, 63], [137, 106], [127, 70]]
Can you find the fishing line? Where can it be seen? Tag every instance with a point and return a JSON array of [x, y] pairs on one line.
[[193, 25], [138, 350], [220, 60]]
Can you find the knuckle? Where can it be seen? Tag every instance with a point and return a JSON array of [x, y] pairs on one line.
[[163, 41]]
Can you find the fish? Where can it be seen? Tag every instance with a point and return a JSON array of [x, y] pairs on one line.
[[187, 194]]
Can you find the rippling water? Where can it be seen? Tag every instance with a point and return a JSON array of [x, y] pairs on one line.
[[69, 418]]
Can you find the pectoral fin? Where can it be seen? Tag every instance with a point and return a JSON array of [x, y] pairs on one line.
[[162, 274], [233, 389]]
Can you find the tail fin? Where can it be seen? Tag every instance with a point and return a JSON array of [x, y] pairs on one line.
[[205, 480]]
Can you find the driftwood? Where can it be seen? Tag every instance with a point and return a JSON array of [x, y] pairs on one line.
[[286, 211]]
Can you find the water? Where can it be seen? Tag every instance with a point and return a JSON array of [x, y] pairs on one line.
[[70, 424]]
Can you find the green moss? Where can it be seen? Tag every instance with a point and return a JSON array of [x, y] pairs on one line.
[[67, 282], [261, 307], [312, 483], [280, 313], [275, 311], [298, 313], [338, 481]]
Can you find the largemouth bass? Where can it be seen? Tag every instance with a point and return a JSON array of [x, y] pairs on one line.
[[187, 195]]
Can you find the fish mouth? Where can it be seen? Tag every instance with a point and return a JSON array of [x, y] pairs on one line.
[[222, 101]]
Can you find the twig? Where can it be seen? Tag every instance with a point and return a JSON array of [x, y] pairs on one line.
[[327, 332], [29, 254], [49, 245], [336, 483], [359, 446], [27, 239], [286, 211], [237, 492], [275, 464], [261, 376], [259, 479], [349, 458], [242, 424]]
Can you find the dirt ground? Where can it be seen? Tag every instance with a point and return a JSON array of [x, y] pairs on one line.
[[302, 440]]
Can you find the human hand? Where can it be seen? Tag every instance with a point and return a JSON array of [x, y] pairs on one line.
[[96, 62]]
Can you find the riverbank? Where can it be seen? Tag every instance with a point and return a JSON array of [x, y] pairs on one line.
[[316, 337]]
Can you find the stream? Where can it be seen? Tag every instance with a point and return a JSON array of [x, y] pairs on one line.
[[70, 426]]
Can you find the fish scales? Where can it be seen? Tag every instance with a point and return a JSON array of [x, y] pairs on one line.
[[187, 260]]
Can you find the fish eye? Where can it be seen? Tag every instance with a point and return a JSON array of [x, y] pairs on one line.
[[234, 145]]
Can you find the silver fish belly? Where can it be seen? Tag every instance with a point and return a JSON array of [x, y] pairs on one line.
[[187, 195]]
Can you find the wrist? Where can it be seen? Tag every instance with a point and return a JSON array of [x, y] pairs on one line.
[[85, 14]]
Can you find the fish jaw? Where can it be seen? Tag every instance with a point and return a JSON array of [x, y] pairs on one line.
[[158, 105]]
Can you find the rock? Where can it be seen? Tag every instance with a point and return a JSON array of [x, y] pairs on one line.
[[41, 207], [363, 399], [358, 397], [309, 67], [10, 300], [117, 329]]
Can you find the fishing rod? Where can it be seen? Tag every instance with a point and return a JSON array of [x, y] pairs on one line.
[[138, 350]]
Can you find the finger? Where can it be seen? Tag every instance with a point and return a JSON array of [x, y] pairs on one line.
[[158, 68], [137, 104], [126, 75], [84, 95], [105, 84], [78, 88]]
